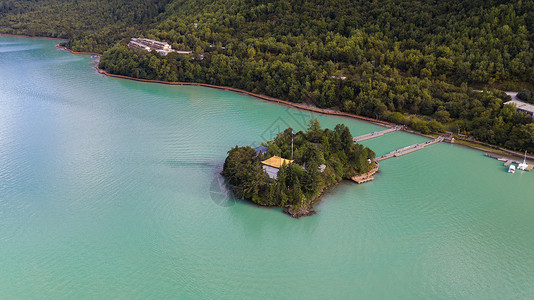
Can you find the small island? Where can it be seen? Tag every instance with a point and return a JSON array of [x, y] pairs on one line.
[[295, 169]]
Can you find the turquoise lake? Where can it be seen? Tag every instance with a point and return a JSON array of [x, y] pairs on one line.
[[109, 189]]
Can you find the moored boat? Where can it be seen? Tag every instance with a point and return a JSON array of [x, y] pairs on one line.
[[511, 169], [523, 165]]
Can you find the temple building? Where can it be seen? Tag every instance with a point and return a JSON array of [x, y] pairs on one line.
[[273, 165]]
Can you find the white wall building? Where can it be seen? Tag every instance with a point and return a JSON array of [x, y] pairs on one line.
[[522, 106]]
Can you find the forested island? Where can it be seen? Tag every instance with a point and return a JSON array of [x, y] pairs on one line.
[[408, 62], [321, 159]]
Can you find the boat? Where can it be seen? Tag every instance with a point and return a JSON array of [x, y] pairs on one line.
[[511, 169], [523, 165]]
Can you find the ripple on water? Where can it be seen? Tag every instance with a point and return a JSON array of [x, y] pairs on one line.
[[12, 48], [105, 193]]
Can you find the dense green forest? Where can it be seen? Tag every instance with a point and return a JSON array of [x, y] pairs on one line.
[[526, 96], [406, 61], [90, 25], [299, 184]]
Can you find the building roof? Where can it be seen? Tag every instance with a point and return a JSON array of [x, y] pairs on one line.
[[261, 149], [149, 41], [276, 162], [522, 106], [140, 45]]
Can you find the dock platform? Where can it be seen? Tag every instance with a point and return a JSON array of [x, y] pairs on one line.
[[363, 180], [366, 176], [375, 134], [509, 161], [409, 149]]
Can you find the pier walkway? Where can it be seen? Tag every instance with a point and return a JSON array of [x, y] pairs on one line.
[[375, 134], [409, 149]]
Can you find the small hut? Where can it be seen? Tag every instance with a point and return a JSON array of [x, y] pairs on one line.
[[273, 165]]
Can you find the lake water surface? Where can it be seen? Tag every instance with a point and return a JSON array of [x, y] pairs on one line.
[[109, 189]]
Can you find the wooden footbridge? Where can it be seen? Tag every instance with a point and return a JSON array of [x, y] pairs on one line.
[[409, 149], [375, 134], [370, 175], [400, 152]]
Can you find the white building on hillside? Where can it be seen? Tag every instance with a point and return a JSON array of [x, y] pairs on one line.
[[162, 48], [522, 106]]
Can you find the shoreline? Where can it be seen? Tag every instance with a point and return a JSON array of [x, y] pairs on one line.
[[493, 149], [63, 48], [367, 176], [258, 96], [309, 209], [466, 143], [239, 91]]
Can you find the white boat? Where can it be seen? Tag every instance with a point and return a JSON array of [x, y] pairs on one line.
[[511, 169], [524, 165]]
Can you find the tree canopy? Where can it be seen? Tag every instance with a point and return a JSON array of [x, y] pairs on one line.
[[298, 184], [406, 61]]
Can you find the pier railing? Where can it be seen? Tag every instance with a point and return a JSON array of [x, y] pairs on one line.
[[409, 149], [375, 134]]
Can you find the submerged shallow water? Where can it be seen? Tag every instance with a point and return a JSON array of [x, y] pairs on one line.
[[108, 189]]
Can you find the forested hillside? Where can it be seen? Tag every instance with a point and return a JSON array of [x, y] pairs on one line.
[[92, 25], [411, 62], [465, 41]]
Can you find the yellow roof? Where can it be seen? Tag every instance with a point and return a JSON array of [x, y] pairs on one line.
[[276, 162]]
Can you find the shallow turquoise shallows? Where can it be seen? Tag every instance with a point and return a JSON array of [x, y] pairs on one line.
[[109, 190]]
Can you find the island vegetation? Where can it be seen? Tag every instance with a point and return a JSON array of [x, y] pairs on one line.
[[321, 159], [409, 62]]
